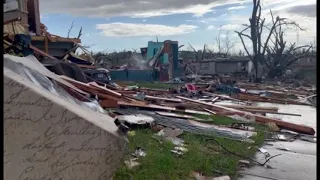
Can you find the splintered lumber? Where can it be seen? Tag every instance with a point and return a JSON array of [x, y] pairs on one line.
[[109, 103], [262, 119], [157, 107], [126, 92], [95, 89], [248, 108], [39, 51], [208, 110], [249, 97], [155, 91], [264, 112], [147, 97]]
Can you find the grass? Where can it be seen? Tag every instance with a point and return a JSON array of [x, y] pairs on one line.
[[203, 156]]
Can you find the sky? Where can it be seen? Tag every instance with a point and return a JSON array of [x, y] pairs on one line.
[[109, 25]]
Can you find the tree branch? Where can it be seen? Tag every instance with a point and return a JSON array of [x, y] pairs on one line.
[[70, 29]]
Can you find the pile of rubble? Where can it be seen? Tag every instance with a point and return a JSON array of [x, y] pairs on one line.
[[86, 106]]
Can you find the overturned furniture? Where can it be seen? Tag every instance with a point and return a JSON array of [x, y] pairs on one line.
[[48, 134]]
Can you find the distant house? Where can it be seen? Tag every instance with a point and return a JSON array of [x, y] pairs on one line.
[[23, 17], [221, 66], [306, 62]]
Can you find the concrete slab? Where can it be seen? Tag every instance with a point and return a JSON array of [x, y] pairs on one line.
[[296, 164], [47, 137]]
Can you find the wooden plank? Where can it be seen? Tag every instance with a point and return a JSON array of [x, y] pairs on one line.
[[215, 99], [126, 92], [46, 47], [89, 88], [241, 107], [108, 103], [104, 89], [74, 93], [280, 113], [57, 39], [41, 52], [48, 36], [262, 119], [247, 97], [163, 99], [157, 107], [208, 110]]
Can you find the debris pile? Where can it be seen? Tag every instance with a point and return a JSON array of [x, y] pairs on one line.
[[184, 108]]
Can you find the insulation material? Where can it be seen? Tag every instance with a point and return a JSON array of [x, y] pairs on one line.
[[33, 64], [14, 28], [136, 119]]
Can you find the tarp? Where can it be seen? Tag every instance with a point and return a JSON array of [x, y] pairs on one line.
[[32, 63], [12, 63]]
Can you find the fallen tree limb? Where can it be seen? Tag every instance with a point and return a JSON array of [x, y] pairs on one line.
[[261, 164]]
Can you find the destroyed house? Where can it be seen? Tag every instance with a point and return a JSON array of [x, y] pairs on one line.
[[162, 64], [221, 66], [23, 17]]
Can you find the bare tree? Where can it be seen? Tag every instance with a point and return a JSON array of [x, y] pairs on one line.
[[256, 26], [218, 41], [281, 56], [241, 53], [196, 57], [70, 29], [228, 45], [203, 52], [80, 33], [210, 53]]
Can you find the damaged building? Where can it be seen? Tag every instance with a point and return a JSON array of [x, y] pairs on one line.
[[221, 66], [23, 17]]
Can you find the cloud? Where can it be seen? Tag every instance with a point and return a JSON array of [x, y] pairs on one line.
[[133, 8], [127, 29], [211, 27], [307, 10], [301, 11], [236, 8], [231, 27]]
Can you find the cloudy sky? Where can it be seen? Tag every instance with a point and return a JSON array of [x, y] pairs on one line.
[[129, 24]]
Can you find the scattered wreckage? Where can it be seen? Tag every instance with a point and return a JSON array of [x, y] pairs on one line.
[[70, 92]]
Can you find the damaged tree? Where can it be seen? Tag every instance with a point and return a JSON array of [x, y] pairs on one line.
[[228, 45], [261, 49], [280, 56]]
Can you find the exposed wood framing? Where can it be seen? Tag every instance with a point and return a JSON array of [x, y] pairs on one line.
[[57, 39]]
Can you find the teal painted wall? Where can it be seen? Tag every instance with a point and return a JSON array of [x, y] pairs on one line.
[[153, 47], [134, 75]]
